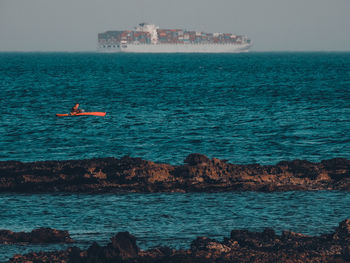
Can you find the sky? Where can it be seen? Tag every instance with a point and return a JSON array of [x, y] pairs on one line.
[[273, 25]]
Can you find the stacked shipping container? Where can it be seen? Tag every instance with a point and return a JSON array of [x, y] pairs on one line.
[[168, 36]]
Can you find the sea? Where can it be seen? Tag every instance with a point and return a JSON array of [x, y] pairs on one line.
[[258, 107]]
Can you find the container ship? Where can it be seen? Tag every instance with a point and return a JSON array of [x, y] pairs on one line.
[[149, 38]]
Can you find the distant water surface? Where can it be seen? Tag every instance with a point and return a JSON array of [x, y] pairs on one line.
[[246, 108], [172, 219]]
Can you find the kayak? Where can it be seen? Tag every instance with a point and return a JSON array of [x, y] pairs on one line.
[[102, 114]]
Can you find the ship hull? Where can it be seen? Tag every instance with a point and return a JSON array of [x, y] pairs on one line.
[[178, 48]]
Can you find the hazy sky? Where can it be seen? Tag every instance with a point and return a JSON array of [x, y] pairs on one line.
[[72, 25]]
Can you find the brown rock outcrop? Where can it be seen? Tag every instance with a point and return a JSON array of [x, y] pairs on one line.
[[199, 173], [242, 247]]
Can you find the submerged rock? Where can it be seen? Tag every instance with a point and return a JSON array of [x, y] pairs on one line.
[[198, 174]]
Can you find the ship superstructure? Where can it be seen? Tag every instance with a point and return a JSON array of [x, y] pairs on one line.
[[149, 38]]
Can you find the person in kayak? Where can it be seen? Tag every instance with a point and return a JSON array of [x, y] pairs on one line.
[[75, 109]]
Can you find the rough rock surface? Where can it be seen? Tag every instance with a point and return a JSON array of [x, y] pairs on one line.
[[241, 246], [197, 174], [36, 236]]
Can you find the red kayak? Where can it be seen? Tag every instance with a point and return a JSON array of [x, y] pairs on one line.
[[102, 114]]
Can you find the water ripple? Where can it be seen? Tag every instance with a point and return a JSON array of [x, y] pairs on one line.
[[257, 107], [169, 218]]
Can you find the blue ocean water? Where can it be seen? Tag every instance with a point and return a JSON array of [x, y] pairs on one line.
[[172, 219], [246, 108]]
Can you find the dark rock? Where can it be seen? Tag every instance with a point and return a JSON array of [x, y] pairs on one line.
[[343, 230], [122, 247], [74, 255], [198, 174], [96, 253], [40, 235], [346, 253], [49, 235], [125, 245], [242, 246], [269, 234], [196, 158], [289, 235]]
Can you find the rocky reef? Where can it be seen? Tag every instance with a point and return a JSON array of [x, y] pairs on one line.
[[241, 246], [198, 174], [41, 235]]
